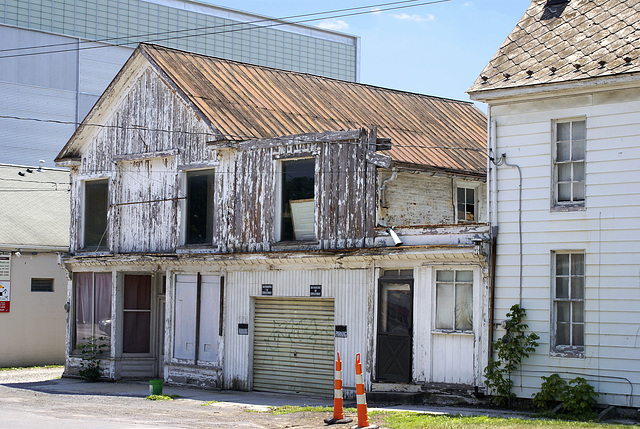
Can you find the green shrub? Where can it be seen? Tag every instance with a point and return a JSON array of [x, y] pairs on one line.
[[90, 363], [579, 397], [551, 390]]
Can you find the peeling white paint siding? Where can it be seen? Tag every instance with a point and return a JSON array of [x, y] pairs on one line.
[[421, 198], [349, 287], [607, 231]]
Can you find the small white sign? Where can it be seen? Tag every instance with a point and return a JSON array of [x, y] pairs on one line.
[[5, 266]]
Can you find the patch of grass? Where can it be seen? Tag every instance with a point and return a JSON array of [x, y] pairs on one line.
[[162, 397], [289, 409], [204, 404], [14, 368], [409, 420]]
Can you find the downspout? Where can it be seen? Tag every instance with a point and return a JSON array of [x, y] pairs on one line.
[[492, 218]]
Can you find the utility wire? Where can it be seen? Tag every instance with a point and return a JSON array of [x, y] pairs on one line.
[[237, 23], [339, 15]]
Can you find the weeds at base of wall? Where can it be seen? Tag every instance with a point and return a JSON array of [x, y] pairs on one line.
[[575, 399], [90, 351]]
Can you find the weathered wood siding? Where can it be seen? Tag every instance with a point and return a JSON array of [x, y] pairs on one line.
[[423, 198], [607, 230], [149, 132]]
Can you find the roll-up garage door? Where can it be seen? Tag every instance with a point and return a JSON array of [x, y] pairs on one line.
[[293, 350]]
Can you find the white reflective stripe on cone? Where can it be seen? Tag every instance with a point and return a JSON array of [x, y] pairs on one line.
[[338, 375], [337, 393], [359, 379], [362, 399]]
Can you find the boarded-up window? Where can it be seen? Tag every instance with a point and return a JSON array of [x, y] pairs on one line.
[[197, 318], [568, 302], [454, 300], [298, 204], [136, 335], [200, 219], [92, 307], [96, 204], [569, 162]]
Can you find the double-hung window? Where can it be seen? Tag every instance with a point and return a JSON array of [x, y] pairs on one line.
[[568, 303], [569, 163], [92, 309], [96, 206], [136, 336], [454, 300], [465, 204]]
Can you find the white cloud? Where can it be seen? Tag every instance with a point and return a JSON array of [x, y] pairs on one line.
[[414, 17], [333, 24], [467, 4]]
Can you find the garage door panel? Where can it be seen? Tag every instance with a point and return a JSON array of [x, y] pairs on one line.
[[294, 345]]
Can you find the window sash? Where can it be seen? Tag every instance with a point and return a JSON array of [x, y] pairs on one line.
[[136, 336], [96, 206], [297, 182], [92, 311], [200, 207], [454, 300], [466, 204], [568, 302], [569, 161]]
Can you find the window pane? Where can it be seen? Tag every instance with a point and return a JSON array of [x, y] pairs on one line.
[[562, 334], [563, 131], [136, 335], [578, 191], [83, 306], [461, 196], [396, 309], [577, 287], [444, 306], [298, 188], [578, 171], [464, 276], [200, 207], [564, 311], [564, 151], [464, 307], [578, 335], [577, 264], [137, 292], [562, 287], [470, 196], [444, 276], [103, 306], [562, 264], [564, 172], [578, 150], [578, 312], [579, 130], [564, 192]]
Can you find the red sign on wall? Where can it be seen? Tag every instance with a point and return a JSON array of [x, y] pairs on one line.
[[4, 306], [5, 296]]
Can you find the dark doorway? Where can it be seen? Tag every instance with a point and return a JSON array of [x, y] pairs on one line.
[[395, 326]]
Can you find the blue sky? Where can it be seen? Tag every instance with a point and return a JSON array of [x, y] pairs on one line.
[[437, 49]]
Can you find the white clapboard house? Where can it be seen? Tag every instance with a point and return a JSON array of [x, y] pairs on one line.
[[563, 95]]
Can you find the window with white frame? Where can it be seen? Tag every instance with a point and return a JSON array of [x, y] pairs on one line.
[[465, 204], [96, 206], [136, 336], [297, 182], [92, 307], [568, 303], [454, 300], [200, 207], [569, 163]]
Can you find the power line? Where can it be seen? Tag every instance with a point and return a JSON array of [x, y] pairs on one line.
[[378, 8]]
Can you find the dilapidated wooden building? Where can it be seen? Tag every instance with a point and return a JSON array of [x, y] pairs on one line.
[[235, 226]]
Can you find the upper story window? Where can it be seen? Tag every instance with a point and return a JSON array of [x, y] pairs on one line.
[[568, 303], [200, 207], [569, 162], [297, 200], [454, 300], [96, 207], [466, 205]]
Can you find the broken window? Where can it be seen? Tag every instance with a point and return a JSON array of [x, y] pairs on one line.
[[96, 205], [197, 317], [200, 209], [466, 205], [92, 307], [136, 336], [298, 200], [454, 300], [569, 163], [568, 303]]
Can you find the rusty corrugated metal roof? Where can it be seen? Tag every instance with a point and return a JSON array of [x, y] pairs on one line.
[[245, 101], [590, 38]]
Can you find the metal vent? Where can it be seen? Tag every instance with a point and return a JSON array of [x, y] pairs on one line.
[[41, 285], [554, 8]]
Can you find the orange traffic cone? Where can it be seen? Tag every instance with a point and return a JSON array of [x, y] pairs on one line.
[[338, 415], [363, 415]]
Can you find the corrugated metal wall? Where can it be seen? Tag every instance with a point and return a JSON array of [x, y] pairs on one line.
[[352, 290]]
